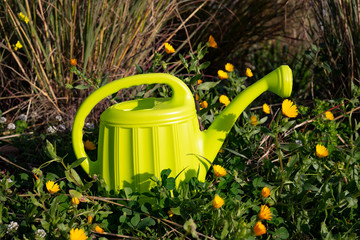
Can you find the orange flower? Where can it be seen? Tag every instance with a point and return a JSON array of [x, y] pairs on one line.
[[219, 171], [259, 229], [321, 151], [218, 202], [73, 62], [289, 109], [203, 105], [224, 100], [168, 48], [170, 213], [90, 218], [212, 42], [75, 201], [99, 229], [223, 75], [199, 81], [229, 67], [89, 145], [265, 192], [265, 213], [254, 121], [248, 72], [329, 115]]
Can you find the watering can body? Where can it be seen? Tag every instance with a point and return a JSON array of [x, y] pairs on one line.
[[140, 138]]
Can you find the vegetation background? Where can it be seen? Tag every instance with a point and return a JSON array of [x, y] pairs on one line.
[[41, 91]]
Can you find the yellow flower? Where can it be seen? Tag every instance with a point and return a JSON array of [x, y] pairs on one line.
[[219, 171], [266, 108], [52, 187], [329, 115], [168, 48], [321, 151], [265, 213], [197, 97], [73, 62], [229, 67], [265, 192], [259, 229], [75, 201], [203, 104], [223, 75], [89, 145], [224, 100], [77, 234], [170, 213], [218, 202], [99, 229], [212, 42], [254, 121], [249, 72], [199, 81], [17, 46], [289, 109], [23, 17], [90, 218]]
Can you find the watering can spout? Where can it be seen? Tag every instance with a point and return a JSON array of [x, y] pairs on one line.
[[278, 81]]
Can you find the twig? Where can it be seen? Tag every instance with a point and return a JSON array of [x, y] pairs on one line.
[[16, 135], [8, 161], [115, 235]]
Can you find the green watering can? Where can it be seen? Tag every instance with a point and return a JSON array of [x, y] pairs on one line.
[[140, 138]]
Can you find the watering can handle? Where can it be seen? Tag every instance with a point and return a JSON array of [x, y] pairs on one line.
[[181, 96]]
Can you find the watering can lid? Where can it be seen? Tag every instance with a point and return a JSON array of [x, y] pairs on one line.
[[148, 111]]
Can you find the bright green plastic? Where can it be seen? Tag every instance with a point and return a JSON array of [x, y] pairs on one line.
[[139, 138]]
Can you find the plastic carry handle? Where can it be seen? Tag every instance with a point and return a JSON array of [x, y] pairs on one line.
[[181, 96]]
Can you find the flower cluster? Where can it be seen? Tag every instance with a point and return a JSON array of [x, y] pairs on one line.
[[23, 17]]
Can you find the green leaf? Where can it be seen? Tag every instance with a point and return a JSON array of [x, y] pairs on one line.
[[204, 65], [165, 173], [225, 230], [287, 126], [51, 150], [195, 78], [183, 61], [69, 86], [135, 220], [146, 222], [207, 85], [82, 87], [76, 176], [169, 183], [176, 211], [281, 233], [190, 227], [139, 69], [75, 193], [77, 162]]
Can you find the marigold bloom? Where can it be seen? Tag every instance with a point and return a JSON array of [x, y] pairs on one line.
[[266, 108], [254, 121], [17, 46], [265, 192], [265, 213], [203, 104], [197, 97], [170, 213], [23, 17], [90, 218], [223, 75], [219, 171], [321, 151], [52, 187], [75, 201], [212, 42], [36, 177], [90, 145], [77, 234], [229, 67], [199, 81], [168, 48], [289, 109], [329, 115], [248, 72], [73, 62], [99, 229], [224, 100], [259, 229], [218, 201]]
